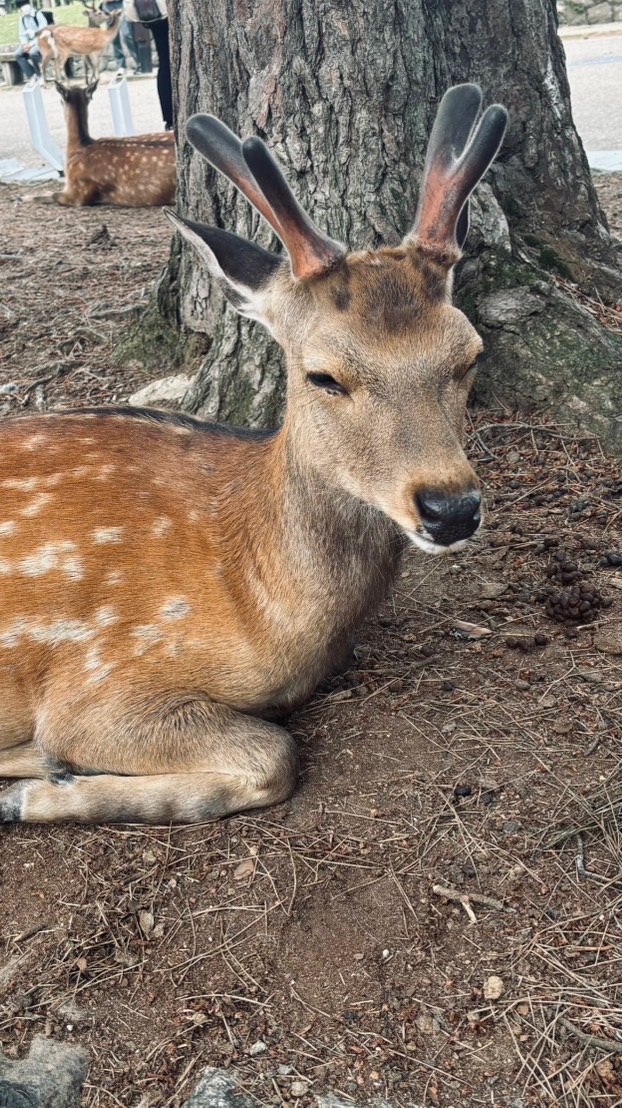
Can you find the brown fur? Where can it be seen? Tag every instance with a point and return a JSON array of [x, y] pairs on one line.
[[135, 172], [167, 587]]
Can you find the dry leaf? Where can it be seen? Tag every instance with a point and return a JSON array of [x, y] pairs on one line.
[[146, 921], [244, 869], [473, 630]]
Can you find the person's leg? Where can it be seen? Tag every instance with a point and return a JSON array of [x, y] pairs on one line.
[[35, 59], [26, 67], [159, 30], [127, 34], [119, 56]]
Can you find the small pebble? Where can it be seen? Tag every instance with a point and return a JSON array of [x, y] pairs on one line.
[[298, 1088], [493, 987], [257, 1048]]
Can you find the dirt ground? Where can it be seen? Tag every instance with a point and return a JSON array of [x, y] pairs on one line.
[[436, 916]]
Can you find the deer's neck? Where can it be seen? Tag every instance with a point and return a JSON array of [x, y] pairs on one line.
[[321, 555], [77, 128]]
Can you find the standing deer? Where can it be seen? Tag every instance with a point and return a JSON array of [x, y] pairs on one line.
[[134, 172], [168, 586], [61, 43]]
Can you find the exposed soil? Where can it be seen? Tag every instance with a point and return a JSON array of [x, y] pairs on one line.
[[312, 946]]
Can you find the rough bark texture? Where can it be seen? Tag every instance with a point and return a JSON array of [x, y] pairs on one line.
[[345, 95]]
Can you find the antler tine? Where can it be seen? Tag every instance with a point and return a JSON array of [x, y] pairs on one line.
[[312, 253], [223, 149], [457, 159], [255, 173]]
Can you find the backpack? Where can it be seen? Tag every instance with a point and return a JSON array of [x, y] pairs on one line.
[[144, 11]]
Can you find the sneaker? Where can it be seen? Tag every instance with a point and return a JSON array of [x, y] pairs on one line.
[[32, 81], [120, 73]]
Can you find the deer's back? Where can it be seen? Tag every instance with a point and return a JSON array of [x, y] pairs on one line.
[[135, 172]]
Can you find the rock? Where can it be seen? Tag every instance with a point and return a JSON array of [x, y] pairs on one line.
[[493, 987], [217, 1090], [257, 1048], [167, 391], [8, 388], [298, 1088], [427, 1023], [609, 640], [490, 590], [51, 1076]]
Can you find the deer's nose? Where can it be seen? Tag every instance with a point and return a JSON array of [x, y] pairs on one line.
[[449, 519]]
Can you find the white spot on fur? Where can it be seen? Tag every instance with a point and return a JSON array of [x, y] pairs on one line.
[[73, 568], [8, 528], [105, 617], [94, 665], [12, 635], [60, 631], [148, 635], [36, 505], [105, 471], [5, 567], [176, 608], [25, 483], [161, 526], [107, 534], [114, 578], [53, 480], [51, 556], [80, 471], [34, 442]]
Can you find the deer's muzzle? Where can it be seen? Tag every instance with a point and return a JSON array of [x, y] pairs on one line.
[[449, 519]]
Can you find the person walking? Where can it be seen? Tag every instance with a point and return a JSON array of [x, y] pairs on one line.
[[109, 7], [28, 54], [153, 14]]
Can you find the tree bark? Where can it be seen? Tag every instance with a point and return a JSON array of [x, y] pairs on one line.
[[345, 96]]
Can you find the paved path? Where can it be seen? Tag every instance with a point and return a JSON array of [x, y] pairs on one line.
[[595, 73], [594, 58]]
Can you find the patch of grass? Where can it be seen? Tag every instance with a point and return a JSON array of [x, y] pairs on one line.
[[71, 14]]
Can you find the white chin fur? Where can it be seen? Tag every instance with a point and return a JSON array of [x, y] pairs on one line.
[[433, 547]]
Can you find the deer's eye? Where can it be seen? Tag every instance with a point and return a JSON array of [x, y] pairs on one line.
[[327, 383]]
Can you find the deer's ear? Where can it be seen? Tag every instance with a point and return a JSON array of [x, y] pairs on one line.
[[61, 89], [91, 90], [243, 269]]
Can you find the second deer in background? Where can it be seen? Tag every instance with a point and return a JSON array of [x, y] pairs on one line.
[[61, 43], [135, 172]]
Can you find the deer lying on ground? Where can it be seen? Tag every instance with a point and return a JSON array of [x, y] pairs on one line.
[[167, 586], [61, 43], [135, 172]]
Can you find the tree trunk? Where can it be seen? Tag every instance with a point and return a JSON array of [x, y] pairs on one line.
[[345, 96]]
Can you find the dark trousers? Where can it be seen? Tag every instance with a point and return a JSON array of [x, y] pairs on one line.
[[159, 30], [30, 63]]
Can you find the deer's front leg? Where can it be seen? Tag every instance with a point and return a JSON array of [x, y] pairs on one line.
[[206, 762]]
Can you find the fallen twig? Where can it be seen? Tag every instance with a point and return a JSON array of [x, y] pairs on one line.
[[591, 1040], [465, 900]]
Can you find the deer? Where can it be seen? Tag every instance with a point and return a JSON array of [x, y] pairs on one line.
[[171, 589], [61, 43], [134, 172]]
